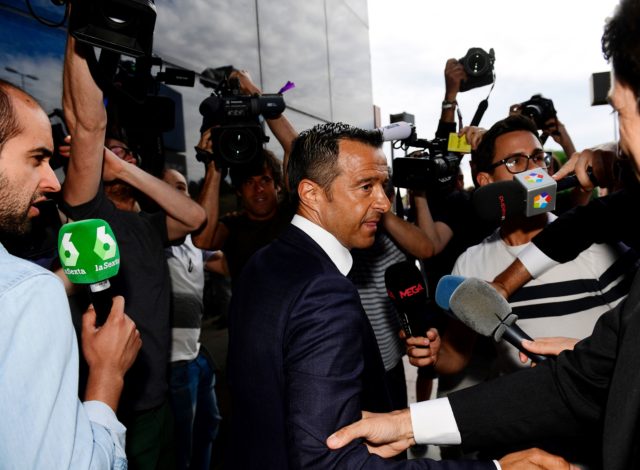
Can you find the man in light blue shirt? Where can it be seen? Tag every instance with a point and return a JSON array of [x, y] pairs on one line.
[[44, 425]]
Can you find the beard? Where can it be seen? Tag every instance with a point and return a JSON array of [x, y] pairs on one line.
[[14, 213]]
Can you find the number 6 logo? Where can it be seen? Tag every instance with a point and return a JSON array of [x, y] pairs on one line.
[[105, 246]]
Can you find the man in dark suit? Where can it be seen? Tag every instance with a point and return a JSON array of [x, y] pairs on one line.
[[303, 359], [596, 386]]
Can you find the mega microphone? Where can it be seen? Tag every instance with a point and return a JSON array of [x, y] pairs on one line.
[[479, 306], [90, 255], [396, 131], [530, 193], [408, 292]]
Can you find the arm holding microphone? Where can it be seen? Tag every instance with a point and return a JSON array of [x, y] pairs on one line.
[[571, 393], [548, 346], [110, 351]]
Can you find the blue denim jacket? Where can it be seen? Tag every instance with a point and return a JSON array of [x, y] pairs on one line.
[[43, 424]]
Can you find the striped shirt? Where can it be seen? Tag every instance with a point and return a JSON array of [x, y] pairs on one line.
[[566, 300], [367, 273]]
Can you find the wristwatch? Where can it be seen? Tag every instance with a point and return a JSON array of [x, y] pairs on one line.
[[449, 104]]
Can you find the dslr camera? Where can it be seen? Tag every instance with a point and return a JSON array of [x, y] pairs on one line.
[[539, 109], [435, 168], [237, 134], [478, 64]]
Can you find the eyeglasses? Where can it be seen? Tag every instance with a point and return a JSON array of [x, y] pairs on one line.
[[121, 151], [519, 162]]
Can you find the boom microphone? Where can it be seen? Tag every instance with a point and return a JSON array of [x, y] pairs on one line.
[[396, 131], [479, 306], [531, 193], [89, 255], [407, 290]]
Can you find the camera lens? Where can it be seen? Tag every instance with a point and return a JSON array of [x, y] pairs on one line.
[[534, 112], [238, 145], [477, 64]]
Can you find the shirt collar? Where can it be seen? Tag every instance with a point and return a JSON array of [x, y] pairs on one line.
[[329, 244]]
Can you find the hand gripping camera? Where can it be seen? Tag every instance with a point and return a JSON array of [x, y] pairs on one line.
[[237, 134]]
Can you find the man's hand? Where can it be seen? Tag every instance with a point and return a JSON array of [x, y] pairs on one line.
[[453, 74], [112, 165], [110, 351], [385, 434], [534, 459], [473, 134], [247, 87], [549, 346], [602, 161], [423, 350]]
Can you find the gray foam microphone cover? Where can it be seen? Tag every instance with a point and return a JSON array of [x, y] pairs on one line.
[[480, 307]]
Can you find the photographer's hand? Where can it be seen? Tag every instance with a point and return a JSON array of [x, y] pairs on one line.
[[247, 87], [558, 132], [453, 75], [473, 134]]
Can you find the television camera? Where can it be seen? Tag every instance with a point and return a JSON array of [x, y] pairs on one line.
[[435, 167], [237, 134]]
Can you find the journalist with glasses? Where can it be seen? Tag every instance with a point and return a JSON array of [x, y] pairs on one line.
[[565, 301]]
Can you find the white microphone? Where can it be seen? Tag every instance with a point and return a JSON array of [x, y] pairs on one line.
[[396, 131]]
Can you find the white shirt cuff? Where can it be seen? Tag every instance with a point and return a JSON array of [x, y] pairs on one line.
[[497, 464], [433, 423], [535, 260]]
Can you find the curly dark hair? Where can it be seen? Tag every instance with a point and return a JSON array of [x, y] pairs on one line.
[[621, 43], [482, 157], [315, 154], [266, 160]]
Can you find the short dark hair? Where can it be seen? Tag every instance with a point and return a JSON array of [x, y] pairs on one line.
[[266, 160], [621, 43], [482, 157], [314, 155], [9, 125]]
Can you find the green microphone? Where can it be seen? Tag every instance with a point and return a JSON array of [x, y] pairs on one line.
[[89, 255]]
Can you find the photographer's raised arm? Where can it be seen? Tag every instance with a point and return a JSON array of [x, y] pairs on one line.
[[280, 126], [453, 75], [213, 234], [182, 213], [87, 120]]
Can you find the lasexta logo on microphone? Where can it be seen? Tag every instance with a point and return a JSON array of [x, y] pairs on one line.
[[88, 251]]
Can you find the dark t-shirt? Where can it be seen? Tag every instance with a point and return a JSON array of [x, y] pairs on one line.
[[143, 281], [456, 211], [247, 236]]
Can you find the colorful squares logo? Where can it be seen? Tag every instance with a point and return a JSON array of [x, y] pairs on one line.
[[533, 178], [541, 200]]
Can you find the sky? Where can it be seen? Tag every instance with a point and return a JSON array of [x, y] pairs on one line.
[[544, 46]]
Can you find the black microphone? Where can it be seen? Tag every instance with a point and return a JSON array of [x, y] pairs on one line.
[[530, 193], [407, 290], [479, 306]]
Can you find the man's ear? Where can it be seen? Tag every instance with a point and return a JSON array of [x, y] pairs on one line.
[[309, 193], [483, 178]]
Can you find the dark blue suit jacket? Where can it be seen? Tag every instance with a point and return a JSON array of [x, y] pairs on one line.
[[303, 362]]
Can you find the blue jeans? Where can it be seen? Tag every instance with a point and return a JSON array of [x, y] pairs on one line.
[[193, 400]]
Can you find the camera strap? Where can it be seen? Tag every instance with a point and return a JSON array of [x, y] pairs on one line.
[[482, 107]]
